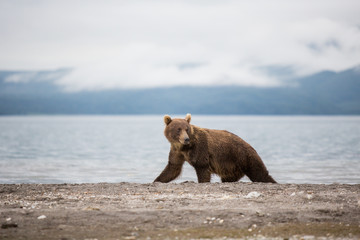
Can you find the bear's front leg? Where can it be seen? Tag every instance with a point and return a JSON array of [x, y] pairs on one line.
[[203, 174], [173, 169], [170, 172]]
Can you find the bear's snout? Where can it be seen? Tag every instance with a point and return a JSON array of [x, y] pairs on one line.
[[184, 138]]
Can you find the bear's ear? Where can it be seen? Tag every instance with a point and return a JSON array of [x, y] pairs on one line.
[[167, 119], [188, 117]]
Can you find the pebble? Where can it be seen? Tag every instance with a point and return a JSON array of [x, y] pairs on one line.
[[41, 217], [227, 197], [253, 195], [260, 214], [307, 237], [210, 220], [252, 227], [130, 237]]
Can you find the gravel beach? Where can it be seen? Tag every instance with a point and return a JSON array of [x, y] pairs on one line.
[[179, 211]]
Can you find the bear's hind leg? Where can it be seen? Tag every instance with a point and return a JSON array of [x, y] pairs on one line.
[[203, 174], [229, 179]]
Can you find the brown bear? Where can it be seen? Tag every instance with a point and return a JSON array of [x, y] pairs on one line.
[[210, 152]]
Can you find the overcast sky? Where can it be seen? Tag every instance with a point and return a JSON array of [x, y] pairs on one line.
[[126, 44]]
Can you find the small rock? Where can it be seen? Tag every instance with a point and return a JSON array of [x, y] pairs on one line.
[[8, 219], [253, 195], [130, 237], [41, 217], [227, 197], [307, 237], [260, 214], [293, 194]]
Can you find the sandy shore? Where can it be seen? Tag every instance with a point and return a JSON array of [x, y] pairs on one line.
[[179, 211]]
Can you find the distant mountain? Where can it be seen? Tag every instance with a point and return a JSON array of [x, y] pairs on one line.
[[323, 93]]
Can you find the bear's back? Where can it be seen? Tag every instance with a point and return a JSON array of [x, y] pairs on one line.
[[222, 140]]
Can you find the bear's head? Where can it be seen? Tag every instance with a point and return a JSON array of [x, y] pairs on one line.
[[178, 130]]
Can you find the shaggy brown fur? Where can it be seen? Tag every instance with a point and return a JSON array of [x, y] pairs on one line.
[[210, 152]]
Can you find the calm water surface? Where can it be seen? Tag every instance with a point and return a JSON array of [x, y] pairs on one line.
[[76, 149]]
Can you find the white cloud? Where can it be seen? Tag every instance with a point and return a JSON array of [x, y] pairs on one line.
[[125, 44]]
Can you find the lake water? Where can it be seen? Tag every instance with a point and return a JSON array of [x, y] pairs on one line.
[[77, 149]]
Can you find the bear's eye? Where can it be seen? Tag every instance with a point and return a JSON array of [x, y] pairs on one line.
[[179, 129]]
